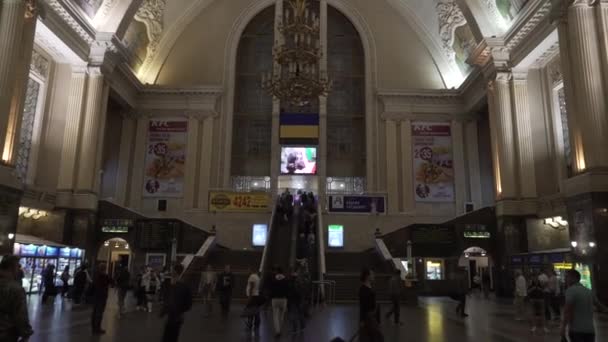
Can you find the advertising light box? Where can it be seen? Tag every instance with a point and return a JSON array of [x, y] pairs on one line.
[[259, 235], [335, 236]]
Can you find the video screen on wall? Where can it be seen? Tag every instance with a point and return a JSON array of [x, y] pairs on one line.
[[299, 160], [259, 235]]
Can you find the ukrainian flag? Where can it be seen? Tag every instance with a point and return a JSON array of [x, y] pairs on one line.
[[299, 126]]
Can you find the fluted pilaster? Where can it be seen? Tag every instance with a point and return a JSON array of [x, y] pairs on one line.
[[205, 167], [392, 180], [192, 152], [460, 182], [92, 128], [501, 126], [67, 167], [588, 84], [472, 151], [409, 205], [523, 131], [12, 14], [139, 156], [125, 154]]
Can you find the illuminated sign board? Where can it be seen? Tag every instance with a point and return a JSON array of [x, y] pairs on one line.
[[259, 235], [335, 236]]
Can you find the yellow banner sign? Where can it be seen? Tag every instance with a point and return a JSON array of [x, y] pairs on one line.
[[225, 201]]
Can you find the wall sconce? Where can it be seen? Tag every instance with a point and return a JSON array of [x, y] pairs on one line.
[[573, 244], [106, 244], [592, 244], [11, 236]]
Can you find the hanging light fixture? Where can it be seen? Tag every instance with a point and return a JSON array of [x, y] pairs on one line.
[[299, 80]]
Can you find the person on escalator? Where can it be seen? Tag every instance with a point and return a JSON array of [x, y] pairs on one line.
[[279, 289]]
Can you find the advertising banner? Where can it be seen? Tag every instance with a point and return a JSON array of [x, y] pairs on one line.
[[357, 204], [433, 162], [225, 201], [165, 158]]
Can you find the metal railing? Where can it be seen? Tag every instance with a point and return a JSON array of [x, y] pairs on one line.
[[323, 292], [268, 236], [205, 248]]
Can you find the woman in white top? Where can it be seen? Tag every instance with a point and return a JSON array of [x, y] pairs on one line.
[[151, 283]]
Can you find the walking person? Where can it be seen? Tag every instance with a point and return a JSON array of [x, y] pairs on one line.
[[486, 283], [462, 288], [225, 284], [176, 304], [14, 320], [368, 310], [254, 302], [578, 320], [101, 286], [140, 291], [65, 279], [206, 288], [537, 301], [521, 292], [395, 285], [295, 301], [123, 283], [555, 292], [279, 289], [151, 284], [48, 281]]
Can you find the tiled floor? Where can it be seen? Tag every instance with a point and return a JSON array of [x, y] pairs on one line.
[[433, 321]]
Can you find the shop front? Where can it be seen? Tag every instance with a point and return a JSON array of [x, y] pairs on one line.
[[36, 254]]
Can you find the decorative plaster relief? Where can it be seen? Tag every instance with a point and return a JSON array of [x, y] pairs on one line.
[[39, 65], [31, 9], [66, 17], [107, 7], [450, 18], [554, 69], [151, 14], [27, 128]]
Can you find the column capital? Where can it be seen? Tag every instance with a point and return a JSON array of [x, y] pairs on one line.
[[201, 115], [520, 76], [31, 9]]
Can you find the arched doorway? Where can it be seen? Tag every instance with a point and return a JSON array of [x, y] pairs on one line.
[[479, 265], [115, 253]]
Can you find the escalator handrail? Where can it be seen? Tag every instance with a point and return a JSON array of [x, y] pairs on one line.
[[320, 243], [268, 236]]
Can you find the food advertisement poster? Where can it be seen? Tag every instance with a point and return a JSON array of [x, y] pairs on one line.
[[165, 158], [433, 162], [224, 201]]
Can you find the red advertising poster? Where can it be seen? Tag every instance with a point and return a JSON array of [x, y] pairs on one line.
[[165, 158], [433, 162]]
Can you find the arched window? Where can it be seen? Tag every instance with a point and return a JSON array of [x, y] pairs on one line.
[[251, 136]]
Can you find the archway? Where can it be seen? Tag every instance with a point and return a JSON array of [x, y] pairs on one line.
[[479, 266], [115, 253]]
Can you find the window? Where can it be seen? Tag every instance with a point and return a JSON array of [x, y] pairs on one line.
[[434, 269]]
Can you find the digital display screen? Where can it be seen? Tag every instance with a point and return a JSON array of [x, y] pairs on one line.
[[299, 160], [335, 236], [74, 253], [52, 251], [259, 235], [28, 250], [64, 252]]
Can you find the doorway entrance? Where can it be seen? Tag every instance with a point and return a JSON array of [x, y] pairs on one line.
[[479, 265], [115, 254]]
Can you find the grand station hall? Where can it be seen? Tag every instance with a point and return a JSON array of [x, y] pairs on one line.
[[304, 170]]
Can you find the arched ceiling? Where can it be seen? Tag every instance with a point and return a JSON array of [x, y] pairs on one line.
[[450, 29]]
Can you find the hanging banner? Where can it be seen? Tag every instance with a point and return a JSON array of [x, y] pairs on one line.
[[433, 162], [225, 201], [357, 204], [165, 158]]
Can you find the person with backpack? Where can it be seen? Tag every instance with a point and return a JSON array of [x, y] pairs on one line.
[[100, 289], [81, 279], [176, 304], [225, 284], [65, 278]]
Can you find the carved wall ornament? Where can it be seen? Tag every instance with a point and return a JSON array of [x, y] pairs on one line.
[[39, 64], [151, 15], [31, 9], [450, 18], [541, 14], [492, 10], [68, 19], [107, 6], [554, 70]]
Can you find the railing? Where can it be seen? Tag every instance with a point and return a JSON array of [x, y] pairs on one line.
[[268, 236], [381, 248], [321, 244], [319, 293], [188, 259]]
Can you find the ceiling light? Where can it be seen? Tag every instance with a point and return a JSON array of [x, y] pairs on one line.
[[574, 244], [592, 244], [11, 236], [106, 244]]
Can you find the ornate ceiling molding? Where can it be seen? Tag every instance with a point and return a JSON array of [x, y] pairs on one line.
[[205, 100], [39, 65], [87, 35], [151, 14], [531, 20], [450, 18], [445, 103]]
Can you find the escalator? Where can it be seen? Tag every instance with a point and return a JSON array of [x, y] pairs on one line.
[[277, 251]]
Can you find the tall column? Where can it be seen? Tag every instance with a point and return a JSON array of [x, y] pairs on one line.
[[205, 166], [460, 189], [589, 88], [409, 206], [22, 65], [472, 145], [392, 181], [322, 153], [139, 156], [67, 167], [11, 29], [501, 127], [275, 146], [523, 131], [125, 154], [192, 151], [91, 129]]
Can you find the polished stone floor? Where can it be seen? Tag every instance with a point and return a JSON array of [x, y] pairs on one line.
[[433, 321]]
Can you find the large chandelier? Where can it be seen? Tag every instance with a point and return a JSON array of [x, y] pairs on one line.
[[298, 81]]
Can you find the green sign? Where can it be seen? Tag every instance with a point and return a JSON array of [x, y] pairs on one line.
[[585, 272], [477, 235], [120, 226]]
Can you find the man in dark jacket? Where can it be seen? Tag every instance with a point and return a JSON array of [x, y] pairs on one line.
[[123, 283], [225, 284], [394, 291], [101, 286], [279, 289], [14, 321], [177, 303]]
